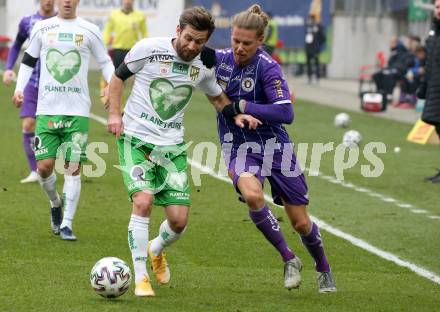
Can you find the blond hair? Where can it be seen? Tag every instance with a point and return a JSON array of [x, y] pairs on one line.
[[254, 18]]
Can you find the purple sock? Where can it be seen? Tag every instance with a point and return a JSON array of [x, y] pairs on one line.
[[28, 139], [268, 225], [313, 243]]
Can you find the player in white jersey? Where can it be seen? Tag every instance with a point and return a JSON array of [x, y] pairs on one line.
[[63, 45], [152, 152]]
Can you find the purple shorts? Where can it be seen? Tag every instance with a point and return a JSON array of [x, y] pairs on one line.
[[286, 180], [29, 107]]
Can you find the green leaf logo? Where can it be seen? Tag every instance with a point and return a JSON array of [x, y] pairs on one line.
[[168, 100], [63, 67]]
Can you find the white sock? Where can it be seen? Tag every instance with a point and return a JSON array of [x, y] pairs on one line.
[[138, 243], [165, 238], [49, 185], [71, 191]]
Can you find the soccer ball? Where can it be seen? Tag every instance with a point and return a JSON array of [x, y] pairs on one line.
[[352, 138], [342, 120], [110, 277]]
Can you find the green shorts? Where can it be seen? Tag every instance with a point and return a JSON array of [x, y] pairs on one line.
[[159, 170], [67, 134]]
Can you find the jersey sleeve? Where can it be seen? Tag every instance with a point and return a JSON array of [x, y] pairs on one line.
[[18, 43], [136, 58], [34, 46], [99, 51], [275, 86], [209, 84]]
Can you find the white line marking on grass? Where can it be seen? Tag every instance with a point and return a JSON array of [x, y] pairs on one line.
[[371, 193], [434, 217], [353, 240], [419, 211]]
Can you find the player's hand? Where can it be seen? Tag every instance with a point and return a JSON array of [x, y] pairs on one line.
[[243, 120], [208, 57], [104, 96], [8, 77], [18, 99], [114, 124]]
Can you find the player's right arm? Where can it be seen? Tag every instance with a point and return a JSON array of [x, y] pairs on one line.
[[133, 63], [9, 74], [28, 63]]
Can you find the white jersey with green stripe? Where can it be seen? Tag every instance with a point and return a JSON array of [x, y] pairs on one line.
[[64, 47], [164, 84]]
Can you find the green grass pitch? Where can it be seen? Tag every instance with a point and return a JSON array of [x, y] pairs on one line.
[[223, 263]]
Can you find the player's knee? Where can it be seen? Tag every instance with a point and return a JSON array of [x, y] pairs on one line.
[[28, 125], [178, 225], [44, 169], [301, 226], [142, 203], [254, 198]]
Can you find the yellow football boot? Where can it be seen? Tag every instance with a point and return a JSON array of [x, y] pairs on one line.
[[144, 289], [159, 265]]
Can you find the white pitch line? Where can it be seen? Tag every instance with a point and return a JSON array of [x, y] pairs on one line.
[[371, 193], [323, 225]]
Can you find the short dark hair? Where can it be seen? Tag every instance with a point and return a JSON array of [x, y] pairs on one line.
[[198, 18]]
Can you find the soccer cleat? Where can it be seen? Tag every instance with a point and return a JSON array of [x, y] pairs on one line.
[[292, 276], [67, 234], [159, 265], [144, 289], [56, 216], [326, 282], [31, 178]]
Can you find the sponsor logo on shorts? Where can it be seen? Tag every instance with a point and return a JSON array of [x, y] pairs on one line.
[[39, 149], [59, 124], [137, 173]]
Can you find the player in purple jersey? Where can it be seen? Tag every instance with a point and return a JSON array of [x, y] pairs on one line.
[[254, 83], [28, 109]]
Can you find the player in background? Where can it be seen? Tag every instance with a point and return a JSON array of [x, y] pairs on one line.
[[123, 29], [254, 82], [152, 152], [29, 107], [63, 45]]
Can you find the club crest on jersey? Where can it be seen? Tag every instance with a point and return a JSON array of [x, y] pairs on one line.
[[79, 40], [194, 73], [248, 84]]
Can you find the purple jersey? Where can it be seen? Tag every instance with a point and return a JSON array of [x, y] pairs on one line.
[[24, 32], [260, 82]]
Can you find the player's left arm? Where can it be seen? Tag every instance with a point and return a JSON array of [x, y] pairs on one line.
[[99, 51], [28, 63], [279, 108]]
